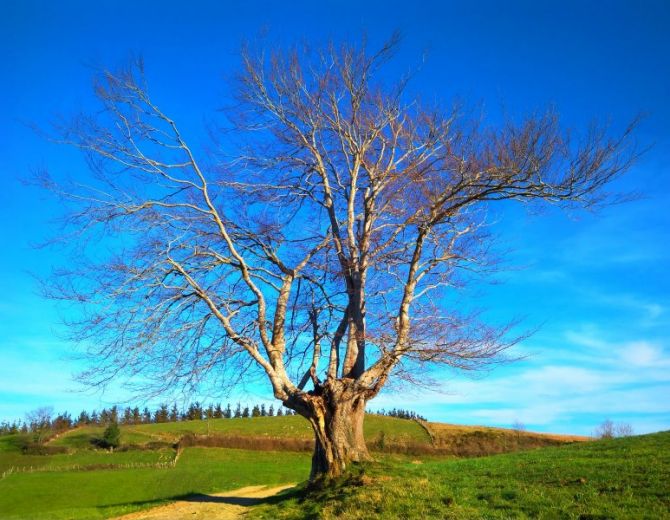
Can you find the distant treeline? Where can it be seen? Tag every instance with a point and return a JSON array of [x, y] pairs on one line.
[[41, 420], [400, 414]]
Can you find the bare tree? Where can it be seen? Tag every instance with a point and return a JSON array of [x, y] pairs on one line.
[[609, 430], [323, 256], [39, 422], [605, 430], [624, 429], [518, 426]]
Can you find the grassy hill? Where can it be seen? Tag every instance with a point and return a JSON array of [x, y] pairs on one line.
[[612, 479], [397, 431], [383, 434], [412, 479], [119, 487], [466, 441]]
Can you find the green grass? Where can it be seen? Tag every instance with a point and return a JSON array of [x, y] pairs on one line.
[[91, 483], [381, 433], [84, 459], [622, 479], [393, 430], [107, 493], [80, 438], [286, 426], [10, 443]]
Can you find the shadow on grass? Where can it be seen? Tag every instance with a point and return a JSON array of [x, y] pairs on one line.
[[146, 505], [287, 494]]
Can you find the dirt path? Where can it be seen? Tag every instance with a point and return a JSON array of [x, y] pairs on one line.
[[220, 506]]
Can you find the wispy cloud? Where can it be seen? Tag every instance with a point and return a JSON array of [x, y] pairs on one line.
[[595, 379]]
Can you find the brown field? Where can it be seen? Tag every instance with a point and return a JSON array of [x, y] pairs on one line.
[[444, 429], [461, 440]]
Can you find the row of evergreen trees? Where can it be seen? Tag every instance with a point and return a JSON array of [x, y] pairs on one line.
[[400, 414], [135, 415], [164, 413]]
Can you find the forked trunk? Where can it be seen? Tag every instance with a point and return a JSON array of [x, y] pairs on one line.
[[337, 420], [338, 430]]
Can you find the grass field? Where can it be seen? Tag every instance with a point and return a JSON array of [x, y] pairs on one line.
[[83, 459], [625, 478], [614, 479], [107, 493], [386, 434], [295, 427]]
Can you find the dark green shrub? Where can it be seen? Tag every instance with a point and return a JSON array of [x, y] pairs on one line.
[[111, 437], [34, 448]]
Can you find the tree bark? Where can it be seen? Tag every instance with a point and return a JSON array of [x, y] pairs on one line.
[[336, 414]]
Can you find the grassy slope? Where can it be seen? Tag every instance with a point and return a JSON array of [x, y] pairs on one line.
[[83, 459], [459, 440], [622, 478], [444, 433], [462, 440], [106, 493], [9, 443], [80, 438], [107, 488], [394, 430]]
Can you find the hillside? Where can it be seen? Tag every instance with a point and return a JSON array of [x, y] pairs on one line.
[[80, 488], [463, 441], [293, 433], [610, 479], [412, 479]]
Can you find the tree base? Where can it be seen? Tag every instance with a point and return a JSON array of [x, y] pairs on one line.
[[336, 414]]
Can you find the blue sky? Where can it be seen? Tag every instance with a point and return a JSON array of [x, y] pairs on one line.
[[596, 284]]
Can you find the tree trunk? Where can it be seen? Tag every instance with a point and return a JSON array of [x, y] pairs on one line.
[[336, 416]]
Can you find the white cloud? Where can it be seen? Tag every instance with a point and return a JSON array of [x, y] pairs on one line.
[[593, 378], [643, 354]]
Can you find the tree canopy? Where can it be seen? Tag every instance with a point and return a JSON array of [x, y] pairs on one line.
[[322, 252]]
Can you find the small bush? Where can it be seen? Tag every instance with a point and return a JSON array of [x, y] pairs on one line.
[[35, 448], [605, 430], [608, 430], [624, 430], [111, 437]]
